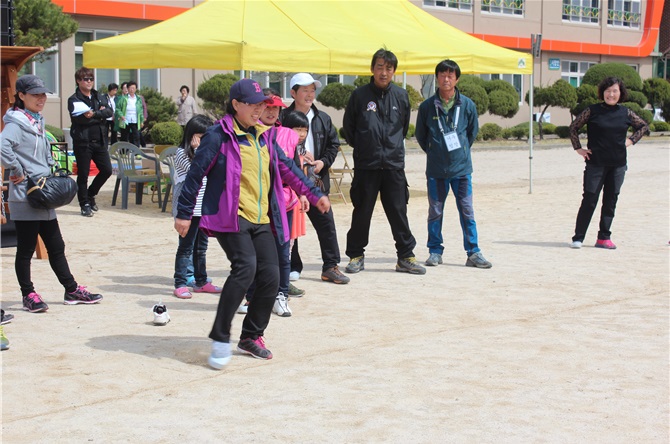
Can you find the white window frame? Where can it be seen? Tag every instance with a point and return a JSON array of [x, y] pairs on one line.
[[582, 67], [32, 68], [508, 79], [617, 11], [451, 5], [507, 8], [577, 11]]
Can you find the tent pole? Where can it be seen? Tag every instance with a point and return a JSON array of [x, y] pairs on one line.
[[404, 80], [530, 131]]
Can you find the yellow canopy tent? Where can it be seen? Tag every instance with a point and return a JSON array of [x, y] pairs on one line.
[[320, 36]]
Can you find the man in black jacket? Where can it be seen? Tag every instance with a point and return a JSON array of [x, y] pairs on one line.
[[322, 145], [89, 112], [376, 121]]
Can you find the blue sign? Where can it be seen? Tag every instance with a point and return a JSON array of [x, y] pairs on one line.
[[555, 64]]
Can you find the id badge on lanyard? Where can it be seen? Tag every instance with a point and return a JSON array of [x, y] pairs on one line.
[[450, 138]]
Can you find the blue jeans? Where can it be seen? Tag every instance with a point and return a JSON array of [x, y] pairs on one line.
[[193, 245], [438, 189]]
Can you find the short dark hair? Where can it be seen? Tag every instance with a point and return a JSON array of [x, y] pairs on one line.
[[271, 92], [124, 84], [388, 57], [184, 86], [198, 124], [611, 81], [131, 83], [448, 66], [295, 119], [230, 109], [83, 72], [112, 86]]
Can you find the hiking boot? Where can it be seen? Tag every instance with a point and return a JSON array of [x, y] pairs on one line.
[[576, 245], [4, 342], [605, 243], [81, 296], [477, 260], [409, 265], [5, 318], [334, 275], [355, 264], [207, 288], [294, 291], [281, 306], [294, 276], [34, 303], [182, 293], [220, 356], [434, 260], [91, 202], [254, 347], [161, 316], [86, 210]]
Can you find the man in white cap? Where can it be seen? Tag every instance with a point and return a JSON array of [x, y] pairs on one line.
[[322, 145]]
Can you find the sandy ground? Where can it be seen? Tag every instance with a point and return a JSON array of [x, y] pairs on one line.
[[550, 345]]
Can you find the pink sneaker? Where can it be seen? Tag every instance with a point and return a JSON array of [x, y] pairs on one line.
[[605, 243], [207, 288], [183, 293]]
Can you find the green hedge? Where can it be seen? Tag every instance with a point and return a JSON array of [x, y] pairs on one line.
[[166, 133]]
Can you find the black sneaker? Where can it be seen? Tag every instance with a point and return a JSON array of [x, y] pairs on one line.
[[81, 296], [34, 303], [254, 347], [334, 275], [5, 318], [91, 201], [86, 210]]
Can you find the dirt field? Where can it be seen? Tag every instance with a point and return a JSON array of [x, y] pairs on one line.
[[550, 345]]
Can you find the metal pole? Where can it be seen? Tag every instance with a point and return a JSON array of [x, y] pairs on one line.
[[530, 129]]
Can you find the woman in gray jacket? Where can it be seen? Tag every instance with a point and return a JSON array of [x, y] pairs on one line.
[[27, 152]]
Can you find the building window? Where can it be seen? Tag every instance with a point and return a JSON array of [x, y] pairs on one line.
[[145, 78], [581, 11], [507, 7], [460, 5], [516, 80], [46, 70], [573, 72], [624, 13]]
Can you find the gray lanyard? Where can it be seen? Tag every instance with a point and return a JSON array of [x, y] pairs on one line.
[[439, 122]]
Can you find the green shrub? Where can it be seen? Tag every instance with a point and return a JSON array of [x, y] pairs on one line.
[[659, 125], [627, 74], [652, 127], [548, 128], [563, 132], [159, 107], [638, 97], [56, 132], [490, 131], [502, 103], [410, 131], [335, 95], [214, 93], [361, 81], [415, 97], [506, 133], [477, 94], [166, 133], [341, 133], [520, 132]]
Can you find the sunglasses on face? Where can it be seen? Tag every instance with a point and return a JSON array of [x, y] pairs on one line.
[[87, 79]]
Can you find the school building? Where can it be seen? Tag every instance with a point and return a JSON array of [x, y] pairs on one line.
[[576, 34]]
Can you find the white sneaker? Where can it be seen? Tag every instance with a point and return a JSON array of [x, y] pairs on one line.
[[161, 316], [575, 244], [244, 308], [220, 356], [294, 276], [281, 306]]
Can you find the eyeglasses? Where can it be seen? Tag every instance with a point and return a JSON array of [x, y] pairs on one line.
[[88, 79]]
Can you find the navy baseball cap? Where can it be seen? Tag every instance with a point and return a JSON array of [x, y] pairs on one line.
[[30, 84], [248, 91]]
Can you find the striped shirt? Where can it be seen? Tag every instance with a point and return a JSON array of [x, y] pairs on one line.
[[182, 164]]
